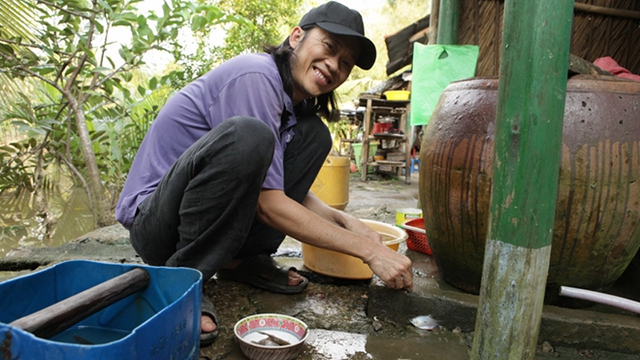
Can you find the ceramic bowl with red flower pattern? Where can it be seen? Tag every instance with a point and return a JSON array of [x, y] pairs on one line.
[[271, 336]]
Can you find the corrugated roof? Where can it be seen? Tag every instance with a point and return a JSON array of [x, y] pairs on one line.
[[400, 44]]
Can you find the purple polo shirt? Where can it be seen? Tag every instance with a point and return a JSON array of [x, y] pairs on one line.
[[247, 85]]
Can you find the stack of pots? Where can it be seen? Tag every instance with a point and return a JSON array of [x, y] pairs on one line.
[[597, 222]]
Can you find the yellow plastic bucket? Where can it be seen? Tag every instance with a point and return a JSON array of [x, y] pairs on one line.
[[333, 263], [332, 183]]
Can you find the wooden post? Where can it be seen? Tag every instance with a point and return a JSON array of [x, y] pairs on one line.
[[433, 21], [364, 156], [528, 138], [448, 19]]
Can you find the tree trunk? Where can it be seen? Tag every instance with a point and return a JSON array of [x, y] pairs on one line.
[[97, 197]]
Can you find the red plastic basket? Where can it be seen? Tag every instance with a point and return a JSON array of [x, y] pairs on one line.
[[417, 240]]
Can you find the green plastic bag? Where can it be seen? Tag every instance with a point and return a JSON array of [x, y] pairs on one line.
[[435, 67]]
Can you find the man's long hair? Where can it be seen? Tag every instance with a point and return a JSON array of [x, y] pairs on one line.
[[324, 104]]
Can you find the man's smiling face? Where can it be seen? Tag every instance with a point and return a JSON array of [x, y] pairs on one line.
[[322, 61]]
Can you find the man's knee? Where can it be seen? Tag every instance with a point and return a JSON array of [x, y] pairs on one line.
[[254, 141], [250, 127]]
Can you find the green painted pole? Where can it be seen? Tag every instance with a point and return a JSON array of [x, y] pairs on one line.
[[528, 138], [448, 18]]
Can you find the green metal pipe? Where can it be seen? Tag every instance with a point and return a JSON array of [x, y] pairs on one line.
[[448, 19]]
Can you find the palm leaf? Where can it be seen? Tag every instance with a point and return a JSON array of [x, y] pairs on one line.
[[16, 22], [16, 19]]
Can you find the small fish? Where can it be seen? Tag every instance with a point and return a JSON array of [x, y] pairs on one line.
[[265, 342], [275, 339], [424, 322]]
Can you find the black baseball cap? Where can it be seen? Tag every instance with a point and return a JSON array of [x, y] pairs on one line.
[[340, 20]]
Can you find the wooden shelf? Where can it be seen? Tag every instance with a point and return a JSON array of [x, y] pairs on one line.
[[383, 102], [399, 109], [385, 136], [388, 162]]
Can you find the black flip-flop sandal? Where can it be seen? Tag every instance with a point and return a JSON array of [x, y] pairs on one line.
[[263, 272], [207, 338]]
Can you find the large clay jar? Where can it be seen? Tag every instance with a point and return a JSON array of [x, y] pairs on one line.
[[597, 230]]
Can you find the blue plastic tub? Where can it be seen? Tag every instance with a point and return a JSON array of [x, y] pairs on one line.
[[160, 322]]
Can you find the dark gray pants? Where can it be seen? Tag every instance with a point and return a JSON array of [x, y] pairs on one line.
[[202, 215]]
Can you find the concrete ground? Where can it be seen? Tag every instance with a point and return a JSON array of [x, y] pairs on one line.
[[361, 319]]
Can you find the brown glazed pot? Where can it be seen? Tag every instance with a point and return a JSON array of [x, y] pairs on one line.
[[596, 232]]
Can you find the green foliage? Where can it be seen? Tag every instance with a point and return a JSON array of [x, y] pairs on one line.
[[247, 27], [205, 25], [75, 97], [341, 129], [80, 109], [271, 21], [16, 23]]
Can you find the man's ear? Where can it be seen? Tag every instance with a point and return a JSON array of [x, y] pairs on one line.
[[297, 34]]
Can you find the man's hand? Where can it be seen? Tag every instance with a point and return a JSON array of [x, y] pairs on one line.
[[392, 267], [317, 224]]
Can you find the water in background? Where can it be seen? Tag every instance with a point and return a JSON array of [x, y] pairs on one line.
[[20, 225]]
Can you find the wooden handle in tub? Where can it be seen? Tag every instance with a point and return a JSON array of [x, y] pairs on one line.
[[58, 317]]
